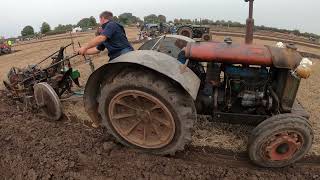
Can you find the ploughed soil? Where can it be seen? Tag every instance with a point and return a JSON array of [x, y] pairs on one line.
[[32, 147]]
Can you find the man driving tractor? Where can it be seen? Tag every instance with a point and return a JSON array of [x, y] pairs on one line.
[[113, 38]]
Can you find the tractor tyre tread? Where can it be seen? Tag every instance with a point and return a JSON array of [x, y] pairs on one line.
[[179, 101], [278, 124]]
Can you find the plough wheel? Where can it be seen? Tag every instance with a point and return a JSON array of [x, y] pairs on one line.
[[48, 101]]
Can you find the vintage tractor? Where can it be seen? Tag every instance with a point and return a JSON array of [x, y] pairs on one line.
[[5, 48], [148, 99], [195, 31], [154, 30]]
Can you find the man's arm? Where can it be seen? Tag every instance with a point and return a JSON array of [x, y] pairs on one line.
[[92, 51], [96, 41], [92, 45]]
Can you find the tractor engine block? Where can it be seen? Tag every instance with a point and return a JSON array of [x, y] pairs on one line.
[[245, 88], [235, 89]]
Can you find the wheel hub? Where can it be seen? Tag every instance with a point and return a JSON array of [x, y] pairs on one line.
[[283, 146], [141, 119]]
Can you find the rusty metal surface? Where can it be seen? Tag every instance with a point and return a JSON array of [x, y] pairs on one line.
[[141, 119], [229, 53], [48, 101], [285, 57], [283, 146], [249, 24], [249, 31], [286, 87], [290, 90]]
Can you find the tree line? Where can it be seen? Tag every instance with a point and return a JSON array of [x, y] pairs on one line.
[[125, 19], [129, 19], [47, 30]]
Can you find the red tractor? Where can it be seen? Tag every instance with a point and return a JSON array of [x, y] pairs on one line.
[[148, 99], [5, 48]]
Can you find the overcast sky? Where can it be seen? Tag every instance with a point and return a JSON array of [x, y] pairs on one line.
[[290, 14]]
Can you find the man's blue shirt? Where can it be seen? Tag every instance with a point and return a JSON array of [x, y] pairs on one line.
[[116, 39]]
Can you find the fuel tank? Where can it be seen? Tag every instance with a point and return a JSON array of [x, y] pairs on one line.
[[248, 54]]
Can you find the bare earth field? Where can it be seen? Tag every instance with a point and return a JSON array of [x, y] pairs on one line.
[[34, 148]]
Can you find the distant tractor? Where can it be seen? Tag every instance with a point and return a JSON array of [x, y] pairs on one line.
[[155, 30], [5, 49], [195, 31], [149, 99], [152, 30]]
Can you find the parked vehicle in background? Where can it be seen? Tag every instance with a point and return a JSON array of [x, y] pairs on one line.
[[195, 31], [5, 48]]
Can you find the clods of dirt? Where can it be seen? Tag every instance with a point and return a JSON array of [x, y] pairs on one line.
[[34, 148]]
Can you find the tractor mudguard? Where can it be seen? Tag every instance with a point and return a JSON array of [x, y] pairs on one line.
[[153, 60]]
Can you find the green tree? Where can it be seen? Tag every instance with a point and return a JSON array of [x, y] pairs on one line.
[[87, 22], [93, 21], [162, 18], [128, 18], [65, 28], [125, 18], [206, 21], [296, 32], [152, 18], [183, 21], [45, 28], [27, 31]]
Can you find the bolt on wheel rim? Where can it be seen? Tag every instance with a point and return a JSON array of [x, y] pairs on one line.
[[283, 146], [141, 119]]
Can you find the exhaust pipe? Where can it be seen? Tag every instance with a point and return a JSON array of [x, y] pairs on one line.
[[249, 24]]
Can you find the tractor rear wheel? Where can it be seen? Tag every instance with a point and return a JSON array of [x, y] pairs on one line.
[[186, 31], [147, 111], [280, 141]]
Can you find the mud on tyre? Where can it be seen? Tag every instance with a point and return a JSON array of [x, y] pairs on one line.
[[145, 110], [280, 141]]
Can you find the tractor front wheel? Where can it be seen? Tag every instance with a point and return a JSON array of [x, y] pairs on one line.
[[206, 37], [280, 141], [146, 111]]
